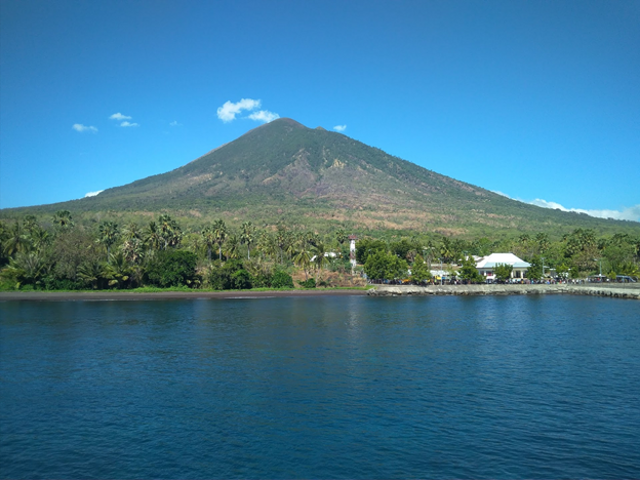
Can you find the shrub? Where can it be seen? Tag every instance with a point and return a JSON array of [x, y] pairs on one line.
[[281, 279], [172, 268], [309, 283], [241, 280]]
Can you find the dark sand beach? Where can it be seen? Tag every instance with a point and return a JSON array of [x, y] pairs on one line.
[[196, 294], [631, 291]]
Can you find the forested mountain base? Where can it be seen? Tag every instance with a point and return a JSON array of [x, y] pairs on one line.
[[59, 253]]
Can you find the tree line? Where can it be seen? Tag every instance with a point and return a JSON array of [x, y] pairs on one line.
[[59, 255], [66, 256]]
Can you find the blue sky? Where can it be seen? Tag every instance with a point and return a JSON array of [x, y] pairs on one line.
[[539, 100]]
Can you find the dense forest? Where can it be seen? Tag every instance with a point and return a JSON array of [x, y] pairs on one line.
[[55, 253]]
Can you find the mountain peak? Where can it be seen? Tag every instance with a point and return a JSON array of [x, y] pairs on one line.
[[286, 121]]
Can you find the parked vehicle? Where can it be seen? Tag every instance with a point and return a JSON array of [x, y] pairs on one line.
[[626, 279]]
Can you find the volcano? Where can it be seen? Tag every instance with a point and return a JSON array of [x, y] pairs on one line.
[[285, 171]]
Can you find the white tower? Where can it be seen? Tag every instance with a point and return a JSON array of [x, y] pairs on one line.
[[352, 251]]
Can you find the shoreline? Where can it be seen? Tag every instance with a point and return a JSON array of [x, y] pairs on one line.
[[108, 295], [615, 291], [628, 291]]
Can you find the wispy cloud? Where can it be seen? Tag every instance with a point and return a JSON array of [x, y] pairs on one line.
[[92, 194], [630, 213], [78, 127], [264, 116], [118, 116], [229, 110], [340, 128], [127, 124], [175, 124]]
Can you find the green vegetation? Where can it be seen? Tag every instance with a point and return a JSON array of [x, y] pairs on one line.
[[503, 272], [469, 272], [217, 223], [63, 254]]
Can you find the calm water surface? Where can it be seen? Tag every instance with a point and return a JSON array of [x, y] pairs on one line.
[[321, 387]]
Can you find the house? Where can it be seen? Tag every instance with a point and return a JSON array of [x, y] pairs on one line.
[[487, 264]]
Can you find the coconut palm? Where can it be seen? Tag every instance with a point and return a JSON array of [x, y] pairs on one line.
[[40, 239], [169, 231], [320, 258], [284, 240], [92, 272], [341, 236], [26, 268], [220, 233], [446, 249], [266, 244], [63, 219], [302, 258], [209, 240], [247, 237], [118, 270], [153, 237], [17, 240], [232, 245], [132, 230], [133, 249], [108, 235]]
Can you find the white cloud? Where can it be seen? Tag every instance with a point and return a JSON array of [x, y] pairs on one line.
[[127, 124], [175, 124], [228, 111], [340, 128], [630, 213], [264, 116], [92, 194], [78, 127], [118, 116]]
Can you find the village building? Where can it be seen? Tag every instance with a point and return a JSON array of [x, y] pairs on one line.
[[486, 265]]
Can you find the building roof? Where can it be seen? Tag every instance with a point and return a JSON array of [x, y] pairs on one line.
[[490, 261]]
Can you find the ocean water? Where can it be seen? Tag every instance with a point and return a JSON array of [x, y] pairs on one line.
[[321, 387]]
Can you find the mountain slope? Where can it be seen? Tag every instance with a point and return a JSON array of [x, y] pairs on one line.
[[312, 176]]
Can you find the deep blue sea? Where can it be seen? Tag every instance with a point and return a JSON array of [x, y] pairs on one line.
[[321, 387]]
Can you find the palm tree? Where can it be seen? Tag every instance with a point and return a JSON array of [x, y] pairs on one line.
[[132, 249], [247, 237], [232, 246], [26, 268], [312, 238], [220, 233], [302, 257], [320, 259], [209, 239], [17, 240], [284, 240], [92, 272], [118, 270], [132, 231], [446, 250], [40, 238], [341, 236], [63, 219], [153, 237], [109, 234], [169, 231], [266, 244], [542, 239]]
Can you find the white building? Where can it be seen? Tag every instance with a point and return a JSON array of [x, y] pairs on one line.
[[486, 265]]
